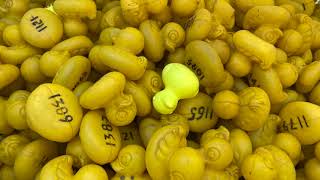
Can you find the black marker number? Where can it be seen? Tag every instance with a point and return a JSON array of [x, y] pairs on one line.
[[60, 108], [37, 23]]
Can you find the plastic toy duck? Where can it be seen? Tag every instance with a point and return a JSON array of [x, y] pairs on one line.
[[180, 83], [61, 168], [130, 164]]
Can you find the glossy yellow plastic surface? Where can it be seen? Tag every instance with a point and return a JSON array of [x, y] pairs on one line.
[[148, 126], [120, 108], [245, 5], [287, 73], [130, 39], [198, 111], [258, 50], [122, 177], [230, 173], [316, 35], [130, 134], [240, 75], [103, 91], [241, 145], [298, 62], [180, 83], [218, 153], [307, 56], [8, 74], [308, 77], [81, 88], [204, 61], [173, 36], [281, 56], [222, 48], [275, 15], [307, 6], [161, 146], [15, 109], [6, 172], [269, 81], [5, 128], [98, 66], [269, 33], [61, 168], [10, 147], [108, 35], [99, 138], [151, 82], [301, 120], [224, 13], [17, 54], [198, 26], [306, 30], [239, 85], [289, 144], [292, 96], [134, 11], [75, 149], [28, 133], [291, 41], [75, 8], [285, 168], [51, 61], [73, 72], [163, 17], [314, 95], [254, 109], [183, 8], [113, 18], [30, 70], [108, 5], [239, 65], [32, 157], [130, 161], [19, 83], [41, 28], [210, 134], [226, 104], [60, 106], [259, 164], [153, 41], [121, 60], [219, 31], [12, 36], [183, 160], [74, 27], [77, 45], [227, 84], [140, 96], [174, 119], [265, 134], [14, 7], [94, 24], [312, 169]]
